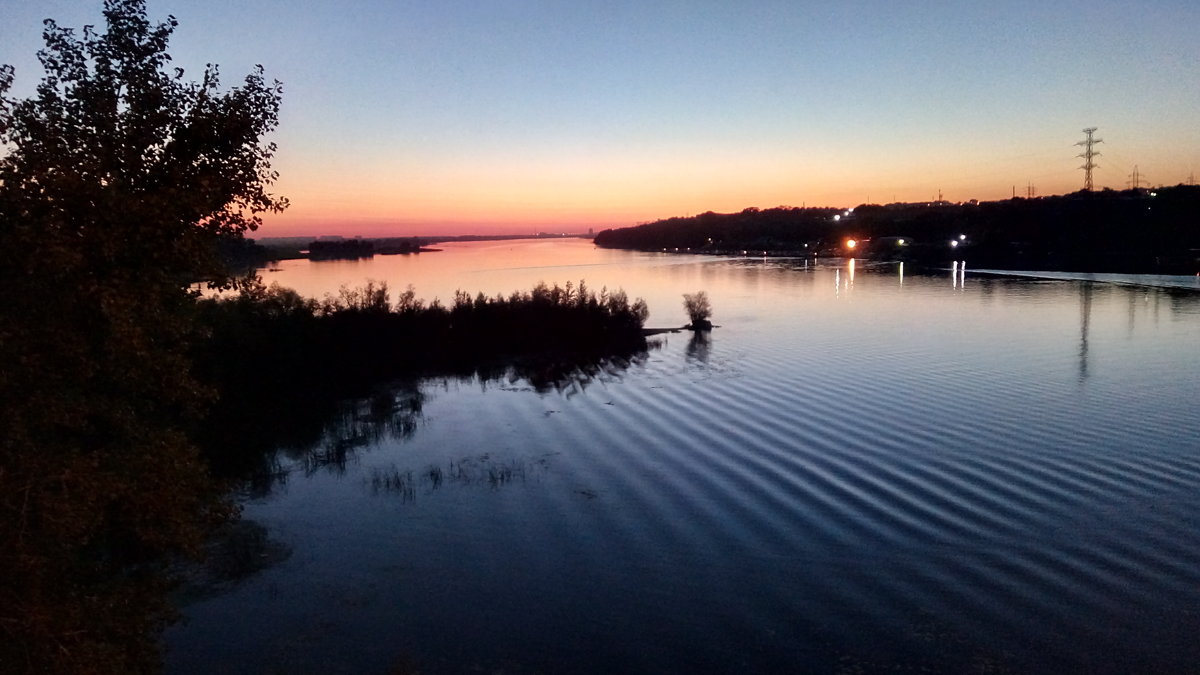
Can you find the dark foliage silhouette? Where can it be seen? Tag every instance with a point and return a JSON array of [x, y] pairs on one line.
[[777, 229], [351, 249], [1139, 230], [311, 354], [118, 179], [698, 309]]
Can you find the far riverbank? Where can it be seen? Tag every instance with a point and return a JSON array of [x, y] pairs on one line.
[[1138, 231]]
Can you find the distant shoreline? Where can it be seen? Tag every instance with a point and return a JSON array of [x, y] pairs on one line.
[[259, 252], [1138, 231]]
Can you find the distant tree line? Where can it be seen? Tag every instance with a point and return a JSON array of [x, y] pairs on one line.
[[778, 229], [1120, 231], [353, 249], [341, 249]]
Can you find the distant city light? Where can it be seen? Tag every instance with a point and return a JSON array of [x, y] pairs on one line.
[[962, 237], [953, 243], [850, 243], [838, 217]]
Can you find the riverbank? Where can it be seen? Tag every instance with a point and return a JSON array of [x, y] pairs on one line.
[[1132, 231]]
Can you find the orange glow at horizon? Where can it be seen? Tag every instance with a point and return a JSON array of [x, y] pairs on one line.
[[577, 191], [547, 189]]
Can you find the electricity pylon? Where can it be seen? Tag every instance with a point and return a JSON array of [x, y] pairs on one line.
[[1088, 155], [1135, 178]]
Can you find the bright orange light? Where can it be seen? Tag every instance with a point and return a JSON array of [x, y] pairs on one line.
[[850, 243]]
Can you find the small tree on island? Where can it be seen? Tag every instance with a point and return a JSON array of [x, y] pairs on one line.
[[698, 309]]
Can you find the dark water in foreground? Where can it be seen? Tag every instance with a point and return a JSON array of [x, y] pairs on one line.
[[861, 471]]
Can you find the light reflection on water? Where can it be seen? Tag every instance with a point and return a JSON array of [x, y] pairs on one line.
[[863, 469]]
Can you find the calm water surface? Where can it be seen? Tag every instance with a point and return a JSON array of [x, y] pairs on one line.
[[860, 471]]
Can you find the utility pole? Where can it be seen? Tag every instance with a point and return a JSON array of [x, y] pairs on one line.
[[1088, 155]]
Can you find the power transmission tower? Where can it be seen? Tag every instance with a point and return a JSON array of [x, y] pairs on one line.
[[1088, 155], [1135, 178], [1030, 191]]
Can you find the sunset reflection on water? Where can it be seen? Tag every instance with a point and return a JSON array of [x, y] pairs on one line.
[[860, 467]]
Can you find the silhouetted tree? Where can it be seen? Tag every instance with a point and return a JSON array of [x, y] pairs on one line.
[[698, 310], [117, 181]]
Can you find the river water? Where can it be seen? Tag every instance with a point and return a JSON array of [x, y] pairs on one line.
[[860, 470]]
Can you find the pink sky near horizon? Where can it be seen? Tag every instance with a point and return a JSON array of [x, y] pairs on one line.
[[578, 194], [407, 117]]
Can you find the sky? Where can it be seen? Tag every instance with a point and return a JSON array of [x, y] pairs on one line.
[[493, 116]]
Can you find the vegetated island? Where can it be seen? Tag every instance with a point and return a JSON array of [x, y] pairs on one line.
[[354, 249], [248, 253], [1130, 231], [279, 361], [241, 255]]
